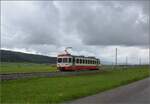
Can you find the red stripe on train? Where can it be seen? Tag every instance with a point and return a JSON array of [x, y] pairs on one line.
[[80, 67]]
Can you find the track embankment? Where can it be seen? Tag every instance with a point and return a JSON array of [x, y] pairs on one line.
[[13, 76]]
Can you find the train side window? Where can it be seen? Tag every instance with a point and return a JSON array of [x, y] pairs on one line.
[[83, 61], [77, 60], [97, 61], [73, 60], [86, 61], [80, 61], [69, 60]]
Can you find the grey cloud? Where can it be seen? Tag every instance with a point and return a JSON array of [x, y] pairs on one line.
[[38, 22], [89, 27], [95, 23], [110, 24]]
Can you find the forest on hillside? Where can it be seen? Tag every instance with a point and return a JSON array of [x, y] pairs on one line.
[[12, 56]]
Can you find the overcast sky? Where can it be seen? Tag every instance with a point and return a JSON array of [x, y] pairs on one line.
[[91, 28]]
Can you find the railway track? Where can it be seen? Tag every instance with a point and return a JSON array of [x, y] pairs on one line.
[[14, 76]]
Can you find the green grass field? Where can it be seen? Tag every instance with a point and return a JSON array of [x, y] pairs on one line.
[[25, 67], [62, 89]]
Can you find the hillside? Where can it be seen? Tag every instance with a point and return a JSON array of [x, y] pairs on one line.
[[12, 56]]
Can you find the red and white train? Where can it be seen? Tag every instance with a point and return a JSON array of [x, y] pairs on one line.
[[68, 62]]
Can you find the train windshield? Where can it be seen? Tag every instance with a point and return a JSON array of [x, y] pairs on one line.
[[59, 60], [64, 60]]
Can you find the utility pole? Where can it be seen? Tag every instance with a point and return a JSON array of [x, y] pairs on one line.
[[126, 64], [116, 58], [126, 61], [140, 61], [149, 46], [149, 43]]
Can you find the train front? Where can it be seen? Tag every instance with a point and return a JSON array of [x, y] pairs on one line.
[[64, 62]]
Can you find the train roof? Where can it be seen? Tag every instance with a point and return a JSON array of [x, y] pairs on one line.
[[77, 56]]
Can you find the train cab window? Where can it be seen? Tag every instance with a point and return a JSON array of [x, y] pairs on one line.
[[64, 60], [59, 60], [70, 60]]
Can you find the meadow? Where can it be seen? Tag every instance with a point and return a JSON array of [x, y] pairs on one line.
[[63, 89], [7, 67]]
